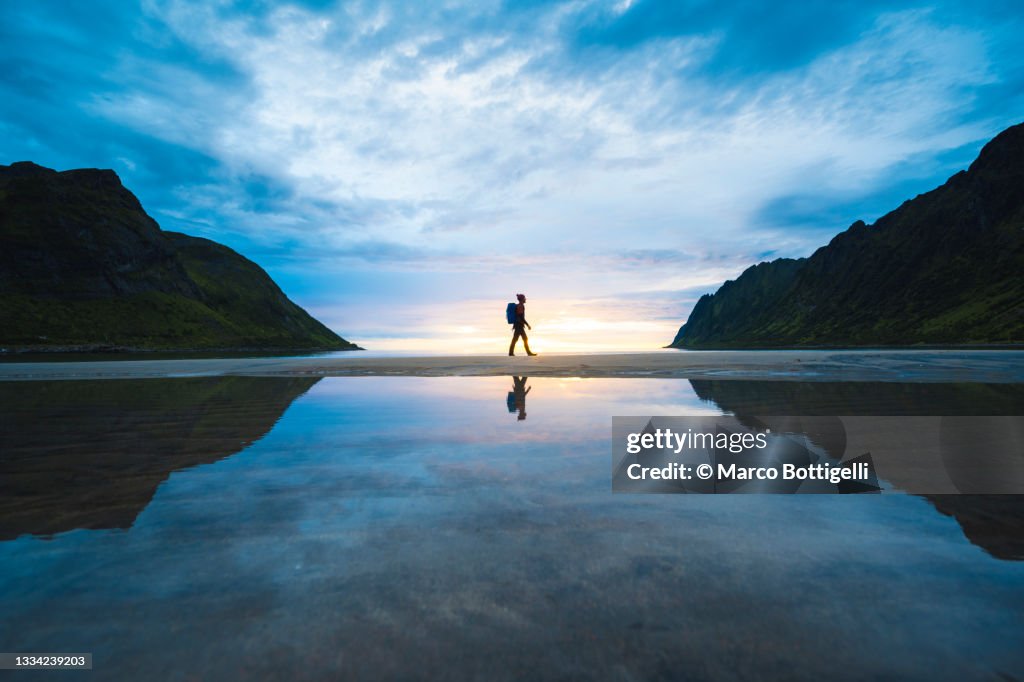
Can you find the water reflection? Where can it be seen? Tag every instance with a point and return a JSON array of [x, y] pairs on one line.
[[91, 454], [993, 522], [405, 528], [516, 399], [860, 398]]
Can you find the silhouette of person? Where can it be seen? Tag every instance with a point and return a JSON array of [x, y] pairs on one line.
[[517, 327], [516, 400]]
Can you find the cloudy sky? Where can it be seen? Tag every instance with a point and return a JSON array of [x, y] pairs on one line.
[[403, 169]]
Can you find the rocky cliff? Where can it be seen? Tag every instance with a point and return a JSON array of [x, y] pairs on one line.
[[944, 268], [83, 266]]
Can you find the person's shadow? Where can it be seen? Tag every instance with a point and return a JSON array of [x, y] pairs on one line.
[[516, 400]]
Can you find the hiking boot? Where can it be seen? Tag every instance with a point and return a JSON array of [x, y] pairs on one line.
[[531, 353]]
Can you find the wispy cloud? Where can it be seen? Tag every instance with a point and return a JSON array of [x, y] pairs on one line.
[[580, 149]]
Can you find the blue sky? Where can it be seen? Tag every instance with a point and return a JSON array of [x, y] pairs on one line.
[[403, 169]]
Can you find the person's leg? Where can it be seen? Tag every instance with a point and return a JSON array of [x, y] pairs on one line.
[[526, 343], [512, 346]]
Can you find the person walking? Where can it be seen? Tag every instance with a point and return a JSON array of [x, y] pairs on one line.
[[517, 327]]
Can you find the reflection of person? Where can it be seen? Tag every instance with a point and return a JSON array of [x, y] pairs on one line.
[[517, 396], [517, 327]]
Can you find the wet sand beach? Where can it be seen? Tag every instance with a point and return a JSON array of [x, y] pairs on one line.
[[989, 366]]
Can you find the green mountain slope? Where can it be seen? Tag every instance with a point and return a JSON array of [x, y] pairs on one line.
[[82, 265], [946, 267]]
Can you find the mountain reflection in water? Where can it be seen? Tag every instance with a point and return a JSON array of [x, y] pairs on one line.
[[91, 454], [415, 528], [993, 522]]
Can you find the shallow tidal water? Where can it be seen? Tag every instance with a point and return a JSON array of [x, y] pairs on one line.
[[237, 528]]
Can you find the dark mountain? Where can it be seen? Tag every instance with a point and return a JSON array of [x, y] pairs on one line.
[[944, 268], [83, 266]]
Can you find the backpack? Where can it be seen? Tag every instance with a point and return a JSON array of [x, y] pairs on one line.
[[510, 313]]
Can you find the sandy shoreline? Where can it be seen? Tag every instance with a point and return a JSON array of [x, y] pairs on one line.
[[989, 366]]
